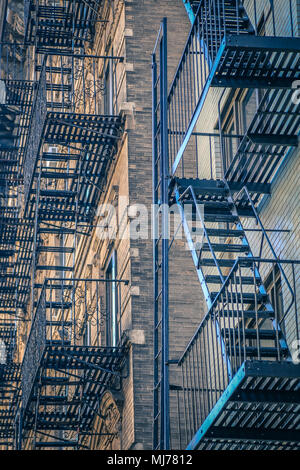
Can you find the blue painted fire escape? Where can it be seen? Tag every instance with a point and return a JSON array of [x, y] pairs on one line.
[[240, 379]]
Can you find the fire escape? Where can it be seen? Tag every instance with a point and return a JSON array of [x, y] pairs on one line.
[[57, 146], [240, 380]]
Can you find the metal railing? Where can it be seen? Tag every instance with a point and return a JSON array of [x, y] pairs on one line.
[[234, 331]]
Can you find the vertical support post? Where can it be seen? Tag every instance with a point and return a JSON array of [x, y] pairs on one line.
[[164, 174], [161, 433], [155, 253]]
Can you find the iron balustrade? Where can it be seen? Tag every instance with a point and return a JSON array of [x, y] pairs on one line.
[[226, 339], [79, 83]]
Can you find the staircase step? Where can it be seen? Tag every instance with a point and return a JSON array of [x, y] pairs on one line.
[[54, 380], [58, 87], [58, 286], [59, 231], [57, 381], [58, 175], [226, 248], [57, 157], [202, 187], [53, 268], [60, 70], [219, 217], [246, 280], [51, 399], [58, 342]]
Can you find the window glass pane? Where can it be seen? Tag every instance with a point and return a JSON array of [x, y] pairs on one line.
[[112, 324]]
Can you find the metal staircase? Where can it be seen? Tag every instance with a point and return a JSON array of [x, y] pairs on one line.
[[240, 387]]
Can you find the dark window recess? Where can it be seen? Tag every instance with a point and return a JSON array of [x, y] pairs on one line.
[[274, 288], [112, 304]]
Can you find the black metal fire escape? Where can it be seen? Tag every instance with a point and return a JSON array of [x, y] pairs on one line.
[[240, 387], [57, 146], [65, 370]]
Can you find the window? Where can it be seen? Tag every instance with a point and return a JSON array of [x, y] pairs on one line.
[[112, 315]]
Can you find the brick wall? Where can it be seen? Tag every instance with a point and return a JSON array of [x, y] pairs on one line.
[[143, 19]]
